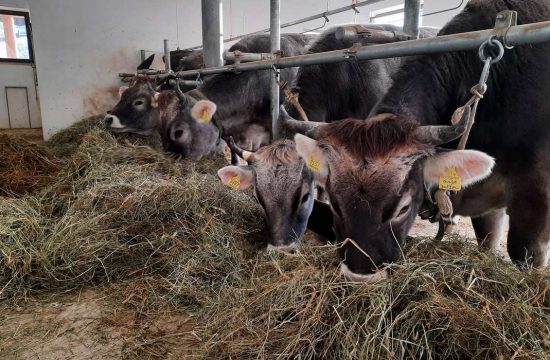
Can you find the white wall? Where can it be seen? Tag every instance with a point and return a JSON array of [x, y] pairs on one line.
[[81, 45]]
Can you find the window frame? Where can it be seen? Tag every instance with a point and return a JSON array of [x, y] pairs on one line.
[[28, 26]]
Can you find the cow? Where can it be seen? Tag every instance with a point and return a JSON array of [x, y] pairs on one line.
[[137, 110], [179, 60], [375, 170], [283, 186], [241, 102], [329, 92]]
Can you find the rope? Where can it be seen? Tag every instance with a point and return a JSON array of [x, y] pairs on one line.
[[442, 197], [293, 98]]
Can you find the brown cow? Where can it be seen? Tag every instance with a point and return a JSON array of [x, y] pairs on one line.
[[374, 172]]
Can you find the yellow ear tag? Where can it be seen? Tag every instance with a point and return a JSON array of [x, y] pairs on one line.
[[205, 117], [450, 180], [314, 165], [235, 182]]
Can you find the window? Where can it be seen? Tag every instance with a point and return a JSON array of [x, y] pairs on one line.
[[393, 15], [15, 37]]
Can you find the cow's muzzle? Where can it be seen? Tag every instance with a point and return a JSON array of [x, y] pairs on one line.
[[113, 122], [363, 278], [286, 249]]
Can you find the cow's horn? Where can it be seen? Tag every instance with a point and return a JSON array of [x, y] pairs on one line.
[[293, 126], [439, 135], [180, 93], [248, 156]]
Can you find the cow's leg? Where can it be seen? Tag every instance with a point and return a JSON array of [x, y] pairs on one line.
[[529, 210], [489, 229]]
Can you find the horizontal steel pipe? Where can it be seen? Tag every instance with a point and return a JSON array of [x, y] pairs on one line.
[[516, 35], [129, 77]]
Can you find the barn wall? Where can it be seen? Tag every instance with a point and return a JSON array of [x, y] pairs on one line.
[[81, 45]]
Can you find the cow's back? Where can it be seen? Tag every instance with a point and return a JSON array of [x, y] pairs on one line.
[[329, 92], [244, 99], [513, 119]]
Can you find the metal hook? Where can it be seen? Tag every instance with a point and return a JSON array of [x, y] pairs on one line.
[[320, 27]]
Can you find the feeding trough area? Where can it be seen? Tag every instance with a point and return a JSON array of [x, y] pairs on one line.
[[120, 217]]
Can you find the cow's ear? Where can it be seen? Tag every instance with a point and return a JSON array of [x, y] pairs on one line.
[[203, 111], [314, 157], [470, 165], [237, 177], [121, 90]]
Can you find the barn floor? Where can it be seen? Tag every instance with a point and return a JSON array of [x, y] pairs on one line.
[[92, 325]]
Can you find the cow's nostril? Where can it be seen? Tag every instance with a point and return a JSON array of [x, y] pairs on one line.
[[178, 133]]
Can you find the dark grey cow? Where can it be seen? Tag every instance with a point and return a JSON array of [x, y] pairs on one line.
[[330, 92], [375, 170], [283, 186], [242, 102]]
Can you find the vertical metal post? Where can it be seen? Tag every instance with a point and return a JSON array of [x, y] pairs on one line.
[[167, 66], [142, 55], [212, 32], [412, 17], [275, 26]]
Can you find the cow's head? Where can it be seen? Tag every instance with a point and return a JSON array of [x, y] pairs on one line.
[[193, 132], [374, 172], [283, 185], [136, 111]]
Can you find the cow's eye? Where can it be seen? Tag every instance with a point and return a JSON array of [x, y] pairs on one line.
[[139, 103], [404, 210], [305, 198]]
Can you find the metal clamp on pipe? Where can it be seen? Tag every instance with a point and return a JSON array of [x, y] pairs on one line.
[[364, 35], [237, 56]]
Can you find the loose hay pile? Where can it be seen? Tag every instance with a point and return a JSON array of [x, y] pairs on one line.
[[24, 166], [120, 212]]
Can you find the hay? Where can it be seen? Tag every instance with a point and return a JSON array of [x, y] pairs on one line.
[[119, 213], [445, 301], [66, 142], [25, 167], [115, 211]]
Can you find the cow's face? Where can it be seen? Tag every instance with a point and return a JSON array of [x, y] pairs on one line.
[[192, 132], [374, 172], [283, 186], [137, 110]]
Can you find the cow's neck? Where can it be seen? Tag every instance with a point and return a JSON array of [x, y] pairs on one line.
[[434, 99]]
